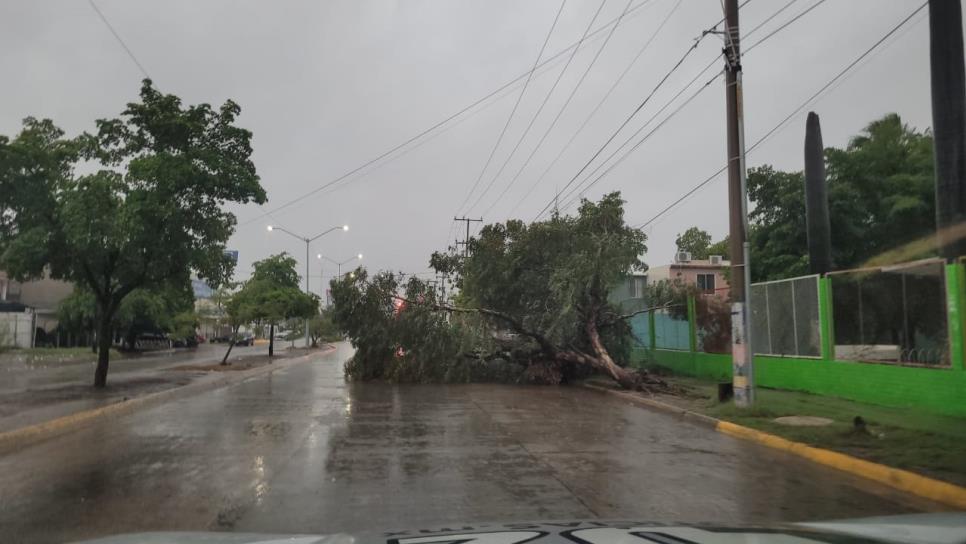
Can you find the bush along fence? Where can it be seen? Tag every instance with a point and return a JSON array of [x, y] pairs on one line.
[[891, 336]]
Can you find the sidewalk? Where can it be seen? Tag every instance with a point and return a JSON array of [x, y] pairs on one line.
[[906, 438]]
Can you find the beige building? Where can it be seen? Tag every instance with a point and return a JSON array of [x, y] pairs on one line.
[[41, 296], [707, 274]]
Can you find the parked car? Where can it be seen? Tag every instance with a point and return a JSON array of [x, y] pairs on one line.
[[245, 340], [187, 342]]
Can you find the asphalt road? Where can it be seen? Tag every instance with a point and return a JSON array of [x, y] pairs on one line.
[[300, 451]]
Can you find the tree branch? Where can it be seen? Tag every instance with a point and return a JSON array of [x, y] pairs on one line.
[[545, 345]]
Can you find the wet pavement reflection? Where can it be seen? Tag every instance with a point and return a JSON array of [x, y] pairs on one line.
[[301, 451]]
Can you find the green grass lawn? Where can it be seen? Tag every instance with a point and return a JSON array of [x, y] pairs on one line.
[[908, 438]]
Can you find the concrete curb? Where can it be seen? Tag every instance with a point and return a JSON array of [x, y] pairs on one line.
[[902, 480], [17, 439]]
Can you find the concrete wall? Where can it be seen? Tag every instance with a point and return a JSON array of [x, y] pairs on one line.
[[939, 390], [16, 329]]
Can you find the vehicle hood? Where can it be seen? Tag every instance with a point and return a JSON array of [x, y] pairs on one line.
[[913, 529]]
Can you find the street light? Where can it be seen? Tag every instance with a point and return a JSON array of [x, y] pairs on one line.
[[343, 228], [337, 263]]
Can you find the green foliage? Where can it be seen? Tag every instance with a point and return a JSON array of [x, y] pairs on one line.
[[721, 247], [151, 210], [77, 313], [533, 302], [400, 335], [695, 241], [272, 295], [166, 310], [881, 195], [322, 328], [554, 276]]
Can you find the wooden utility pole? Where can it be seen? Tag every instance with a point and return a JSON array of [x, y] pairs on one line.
[[466, 241], [741, 359], [817, 225], [948, 83]]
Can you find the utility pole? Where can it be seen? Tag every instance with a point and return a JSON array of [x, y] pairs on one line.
[[466, 241], [817, 226], [741, 358], [948, 84]]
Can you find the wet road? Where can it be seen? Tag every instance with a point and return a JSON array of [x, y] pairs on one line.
[[300, 451]]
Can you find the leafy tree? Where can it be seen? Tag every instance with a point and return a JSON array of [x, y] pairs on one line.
[[162, 310], [150, 211], [143, 311], [547, 283], [270, 297], [881, 195], [695, 241], [77, 313], [322, 328], [721, 247]]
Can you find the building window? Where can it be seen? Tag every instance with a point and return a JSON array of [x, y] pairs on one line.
[[706, 282]]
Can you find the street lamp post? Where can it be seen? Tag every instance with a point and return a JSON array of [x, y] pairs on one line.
[[357, 257], [307, 241]]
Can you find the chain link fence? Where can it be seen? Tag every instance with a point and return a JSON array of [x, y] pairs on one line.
[[785, 317], [893, 314]]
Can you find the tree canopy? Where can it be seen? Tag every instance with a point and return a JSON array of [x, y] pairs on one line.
[[881, 195], [149, 212], [271, 296], [698, 243], [543, 287]]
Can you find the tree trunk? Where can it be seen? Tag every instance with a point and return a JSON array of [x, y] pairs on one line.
[[606, 363], [271, 340], [231, 344], [104, 337]]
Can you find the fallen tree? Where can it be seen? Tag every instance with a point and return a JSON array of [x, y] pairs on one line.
[[537, 293]]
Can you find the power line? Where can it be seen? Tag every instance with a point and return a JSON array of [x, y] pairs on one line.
[[597, 107], [540, 109], [120, 40], [621, 159], [426, 131], [560, 112], [600, 150], [516, 105], [642, 127], [629, 117], [794, 112], [770, 17], [642, 140], [783, 25]]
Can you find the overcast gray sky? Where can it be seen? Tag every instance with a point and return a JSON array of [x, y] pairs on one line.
[[327, 86]]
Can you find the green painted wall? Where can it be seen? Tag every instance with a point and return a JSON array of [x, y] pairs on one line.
[[938, 390]]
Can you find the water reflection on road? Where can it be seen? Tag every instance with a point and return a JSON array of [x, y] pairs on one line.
[[300, 451]]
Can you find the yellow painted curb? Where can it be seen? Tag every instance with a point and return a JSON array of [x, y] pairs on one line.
[[903, 480]]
